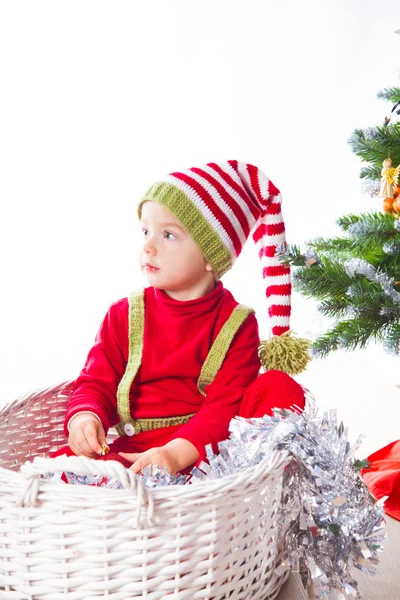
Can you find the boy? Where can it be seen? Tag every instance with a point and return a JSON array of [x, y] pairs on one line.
[[172, 365]]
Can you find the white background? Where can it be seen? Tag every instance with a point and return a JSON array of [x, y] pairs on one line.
[[98, 99]]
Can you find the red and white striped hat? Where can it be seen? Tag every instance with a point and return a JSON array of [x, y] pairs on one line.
[[219, 204]]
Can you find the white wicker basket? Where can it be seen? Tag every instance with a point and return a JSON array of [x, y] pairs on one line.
[[215, 539]]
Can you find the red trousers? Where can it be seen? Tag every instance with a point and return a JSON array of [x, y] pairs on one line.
[[273, 389]]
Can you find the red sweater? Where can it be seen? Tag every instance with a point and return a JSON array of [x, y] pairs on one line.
[[177, 338]]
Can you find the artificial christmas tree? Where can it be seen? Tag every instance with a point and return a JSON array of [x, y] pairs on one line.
[[356, 277]]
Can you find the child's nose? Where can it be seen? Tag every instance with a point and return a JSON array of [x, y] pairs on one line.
[[149, 247]]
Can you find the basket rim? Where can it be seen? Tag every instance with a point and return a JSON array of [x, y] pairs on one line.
[[20, 401], [200, 491]]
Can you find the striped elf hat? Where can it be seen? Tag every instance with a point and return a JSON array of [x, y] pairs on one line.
[[219, 204]]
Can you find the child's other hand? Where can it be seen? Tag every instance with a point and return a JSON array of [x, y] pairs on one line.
[[86, 435], [176, 455]]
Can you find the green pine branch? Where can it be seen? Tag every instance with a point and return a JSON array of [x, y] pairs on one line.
[[392, 339], [321, 281], [349, 335], [374, 145], [372, 222], [390, 94], [293, 256], [370, 236], [363, 298], [372, 173]]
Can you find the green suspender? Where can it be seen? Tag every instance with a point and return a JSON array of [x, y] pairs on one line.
[[221, 345], [208, 372], [135, 336]]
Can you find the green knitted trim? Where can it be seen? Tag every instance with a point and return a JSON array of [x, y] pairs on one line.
[[135, 333], [183, 209], [221, 346]]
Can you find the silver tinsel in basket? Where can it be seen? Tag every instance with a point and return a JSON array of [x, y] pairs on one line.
[[156, 476], [328, 521], [151, 476]]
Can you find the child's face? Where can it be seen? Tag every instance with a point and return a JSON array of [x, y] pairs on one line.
[[170, 259]]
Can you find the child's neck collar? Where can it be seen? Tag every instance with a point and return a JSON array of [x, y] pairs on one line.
[[202, 304]]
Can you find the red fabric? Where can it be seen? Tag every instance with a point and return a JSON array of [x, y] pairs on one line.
[[138, 443], [273, 190], [177, 338], [275, 271], [273, 389], [284, 289], [265, 230], [254, 209], [282, 310], [255, 184], [383, 477], [267, 251], [227, 197], [112, 455]]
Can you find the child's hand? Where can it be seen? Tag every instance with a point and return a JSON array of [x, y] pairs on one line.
[[86, 435], [176, 455]]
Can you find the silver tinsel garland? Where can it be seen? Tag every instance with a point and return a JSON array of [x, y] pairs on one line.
[[152, 476], [392, 247], [358, 229], [370, 187], [358, 266], [392, 346], [328, 521], [282, 252]]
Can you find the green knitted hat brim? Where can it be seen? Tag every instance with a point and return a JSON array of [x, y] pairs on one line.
[[194, 222]]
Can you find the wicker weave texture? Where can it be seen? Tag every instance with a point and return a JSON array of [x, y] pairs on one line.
[[210, 540]]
